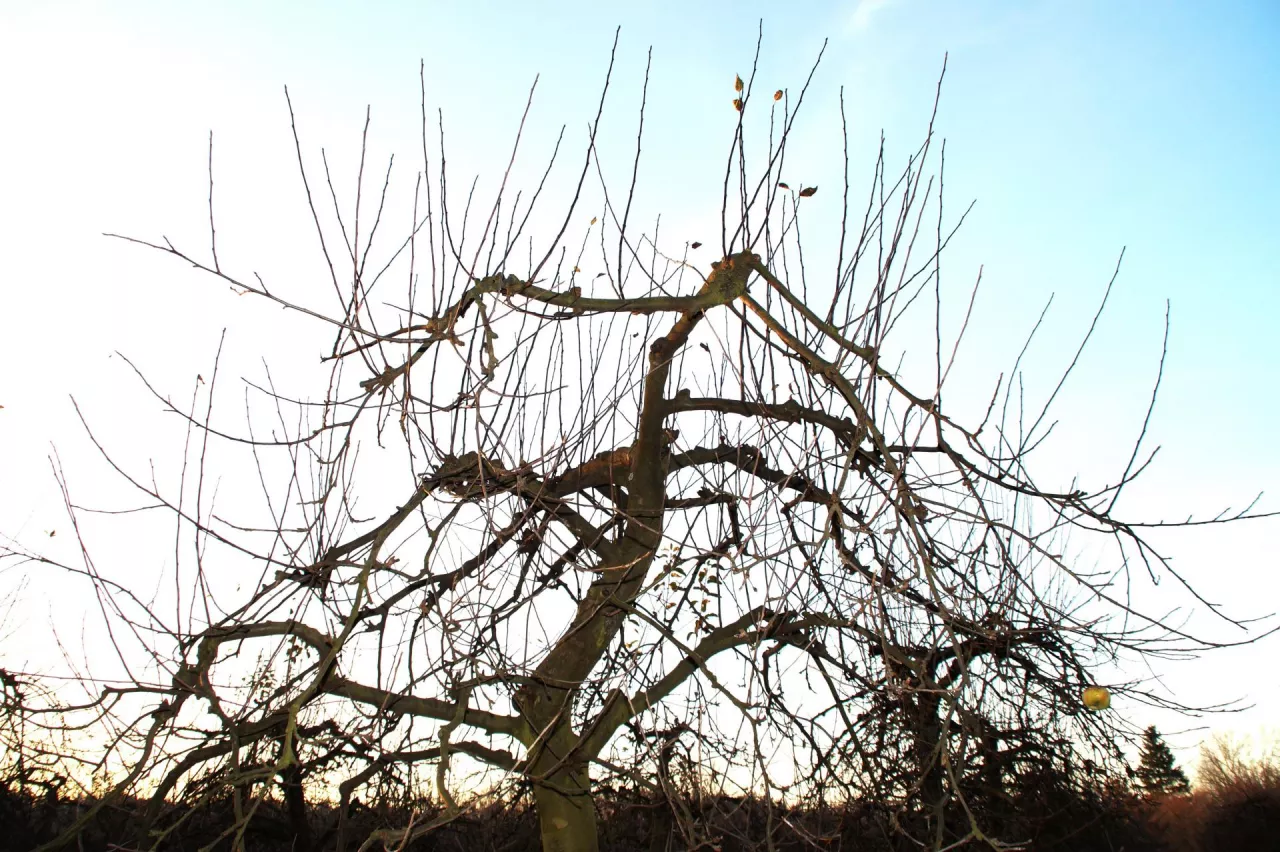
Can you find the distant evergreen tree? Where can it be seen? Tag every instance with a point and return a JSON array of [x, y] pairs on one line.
[[1158, 772]]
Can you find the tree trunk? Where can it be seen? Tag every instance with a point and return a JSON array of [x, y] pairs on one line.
[[928, 747], [295, 800], [566, 812]]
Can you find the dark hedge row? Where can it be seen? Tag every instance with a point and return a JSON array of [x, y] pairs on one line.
[[1046, 813]]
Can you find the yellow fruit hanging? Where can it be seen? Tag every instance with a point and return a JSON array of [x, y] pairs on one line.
[[737, 83], [737, 104], [1097, 698]]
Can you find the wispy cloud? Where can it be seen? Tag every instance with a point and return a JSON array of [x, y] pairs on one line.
[[864, 12]]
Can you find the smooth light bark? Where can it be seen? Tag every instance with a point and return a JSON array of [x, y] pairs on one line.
[[566, 812]]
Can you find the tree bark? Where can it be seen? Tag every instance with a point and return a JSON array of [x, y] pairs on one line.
[[562, 795], [296, 802], [566, 812], [928, 758]]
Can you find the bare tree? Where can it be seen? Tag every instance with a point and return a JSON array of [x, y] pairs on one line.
[[681, 527]]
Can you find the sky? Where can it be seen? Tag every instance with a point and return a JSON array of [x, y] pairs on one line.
[[1080, 130]]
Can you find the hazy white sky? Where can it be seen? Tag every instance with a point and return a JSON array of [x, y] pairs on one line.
[[1080, 128]]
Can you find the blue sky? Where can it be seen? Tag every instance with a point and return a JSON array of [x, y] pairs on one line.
[[1079, 128]]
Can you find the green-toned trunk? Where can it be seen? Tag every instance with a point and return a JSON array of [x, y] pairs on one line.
[[566, 813]]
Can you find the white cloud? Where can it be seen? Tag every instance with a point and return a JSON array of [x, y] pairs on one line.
[[864, 12]]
